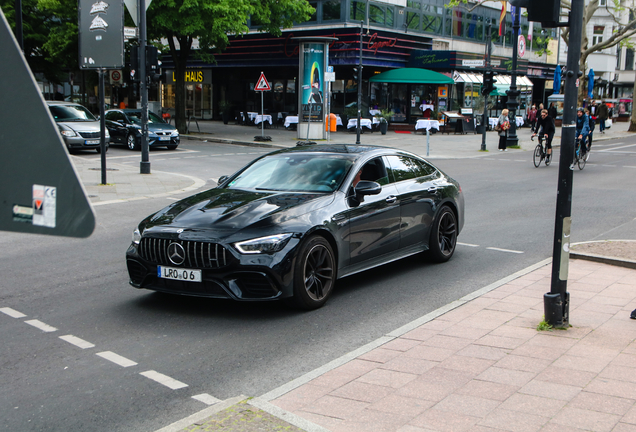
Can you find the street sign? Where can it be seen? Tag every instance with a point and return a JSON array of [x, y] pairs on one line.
[[330, 76], [101, 34], [115, 77], [262, 84], [40, 192], [131, 5], [521, 45]]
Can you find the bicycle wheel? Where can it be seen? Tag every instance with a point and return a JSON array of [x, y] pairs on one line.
[[536, 158], [548, 159], [581, 161]]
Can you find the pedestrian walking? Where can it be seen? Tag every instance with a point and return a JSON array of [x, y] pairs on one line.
[[532, 118], [602, 113], [552, 111], [503, 124]]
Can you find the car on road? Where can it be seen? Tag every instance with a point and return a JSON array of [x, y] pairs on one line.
[[124, 126], [292, 222], [79, 128]]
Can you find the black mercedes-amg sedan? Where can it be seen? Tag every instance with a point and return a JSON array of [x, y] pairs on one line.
[[292, 222]]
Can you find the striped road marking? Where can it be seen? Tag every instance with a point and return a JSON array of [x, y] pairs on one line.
[[505, 250], [206, 399], [39, 324], [81, 343], [12, 312], [467, 244], [116, 358], [164, 379]]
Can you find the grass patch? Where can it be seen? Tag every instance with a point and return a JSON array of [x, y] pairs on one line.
[[515, 147], [544, 326]]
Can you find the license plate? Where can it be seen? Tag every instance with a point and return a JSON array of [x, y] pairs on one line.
[[164, 138], [88, 142], [183, 274]]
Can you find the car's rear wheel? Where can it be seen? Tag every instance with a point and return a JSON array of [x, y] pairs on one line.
[[314, 273], [443, 236], [131, 141]]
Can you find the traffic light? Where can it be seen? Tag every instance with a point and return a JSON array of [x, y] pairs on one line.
[[544, 11], [489, 82], [153, 65]]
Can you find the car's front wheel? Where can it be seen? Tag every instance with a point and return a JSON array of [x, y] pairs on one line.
[[314, 273], [99, 149], [443, 236], [131, 141]]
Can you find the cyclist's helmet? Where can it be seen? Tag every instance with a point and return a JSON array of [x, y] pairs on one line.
[[581, 109]]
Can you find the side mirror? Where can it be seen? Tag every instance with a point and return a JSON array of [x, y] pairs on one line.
[[365, 187], [222, 180]]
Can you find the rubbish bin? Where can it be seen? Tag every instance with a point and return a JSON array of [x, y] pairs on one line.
[[330, 124]]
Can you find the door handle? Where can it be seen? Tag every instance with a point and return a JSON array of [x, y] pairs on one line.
[[391, 199], [432, 189]]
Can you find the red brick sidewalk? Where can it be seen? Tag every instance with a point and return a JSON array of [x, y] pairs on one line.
[[484, 366]]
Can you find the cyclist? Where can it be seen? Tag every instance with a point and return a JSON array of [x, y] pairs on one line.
[[582, 129], [545, 124], [591, 135]]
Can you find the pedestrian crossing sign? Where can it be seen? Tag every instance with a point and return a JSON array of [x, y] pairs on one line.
[[262, 84]]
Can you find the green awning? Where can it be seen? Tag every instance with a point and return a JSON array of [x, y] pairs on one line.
[[412, 76], [500, 90]]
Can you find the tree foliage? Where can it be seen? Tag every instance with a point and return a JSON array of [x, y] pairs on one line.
[[211, 22]]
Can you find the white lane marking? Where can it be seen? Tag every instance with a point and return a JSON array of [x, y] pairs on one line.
[[504, 250], [173, 198], [116, 358], [74, 340], [12, 312], [617, 148], [611, 166], [164, 379], [190, 157], [206, 399], [627, 166], [39, 324], [467, 244]]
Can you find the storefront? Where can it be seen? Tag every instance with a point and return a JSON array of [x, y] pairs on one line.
[[198, 91]]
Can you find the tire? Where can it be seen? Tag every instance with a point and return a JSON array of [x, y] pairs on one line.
[[581, 162], [443, 239], [548, 159], [536, 158], [131, 142], [99, 149], [314, 274]]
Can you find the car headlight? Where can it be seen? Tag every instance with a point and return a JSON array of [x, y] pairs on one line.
[[174, 133], [269, 244], [106, 134], [68, 133], [136, 236]]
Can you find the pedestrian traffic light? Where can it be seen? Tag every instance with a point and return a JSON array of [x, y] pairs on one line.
[[489, 82], [544, 11], [153, 65]]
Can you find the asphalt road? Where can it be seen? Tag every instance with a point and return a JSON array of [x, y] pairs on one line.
[[223, 349]]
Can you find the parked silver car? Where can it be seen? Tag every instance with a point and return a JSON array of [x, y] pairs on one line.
[[79, 128]]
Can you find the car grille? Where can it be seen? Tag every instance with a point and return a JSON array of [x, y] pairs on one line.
[[90, 134], [136, 271], [198, 254], [163, 133], [255, 285]]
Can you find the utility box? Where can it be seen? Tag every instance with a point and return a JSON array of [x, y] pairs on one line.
[[332, 123]]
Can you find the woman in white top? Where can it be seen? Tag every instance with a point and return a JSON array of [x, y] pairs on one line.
[[503, 124]]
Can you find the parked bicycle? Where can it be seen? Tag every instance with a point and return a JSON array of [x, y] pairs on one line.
[[540, 153]]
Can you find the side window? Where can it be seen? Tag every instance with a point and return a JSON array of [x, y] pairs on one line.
[[111, 116], [422, 169], [401, 167], [373, 170]]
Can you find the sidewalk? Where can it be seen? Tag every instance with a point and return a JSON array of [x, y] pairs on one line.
[[478, 364]]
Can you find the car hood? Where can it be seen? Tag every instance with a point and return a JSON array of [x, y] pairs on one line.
[[227, 211], [156, 127], [82, 126]]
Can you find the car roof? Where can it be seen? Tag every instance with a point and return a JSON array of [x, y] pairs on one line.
[[356, 150], [62, 103]]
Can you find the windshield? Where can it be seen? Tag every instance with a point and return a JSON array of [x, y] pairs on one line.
[[135, 117], [71, 113], [294, 173]]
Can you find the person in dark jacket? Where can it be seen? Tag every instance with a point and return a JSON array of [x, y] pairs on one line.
[[552, 111], [582, 129], [545, 124], [602, 113], [592, 124]]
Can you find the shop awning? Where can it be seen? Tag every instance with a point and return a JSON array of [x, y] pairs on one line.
[[467, 77], [412, 76]]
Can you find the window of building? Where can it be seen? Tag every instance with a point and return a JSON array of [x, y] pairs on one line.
[[602, 2], [331, 10], [432, 19], [629, 59], [412, 20], [358, 11], [314, 16], [598, 35]]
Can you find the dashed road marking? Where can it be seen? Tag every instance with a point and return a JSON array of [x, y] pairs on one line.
[[12, 312], [164, 379], [42, 326], [116, 358], [504, 250], [467, 244], [206, 399], [74, 340]]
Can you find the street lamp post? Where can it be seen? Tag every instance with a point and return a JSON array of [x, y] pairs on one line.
[[513, 93], [358, 130]]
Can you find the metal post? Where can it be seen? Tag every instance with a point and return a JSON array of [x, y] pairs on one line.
[[428, 138], [484, 118], [557, 302], [18, 24], [102, 125], [144, 166], [513, 94], [262, 116], [360, 86]]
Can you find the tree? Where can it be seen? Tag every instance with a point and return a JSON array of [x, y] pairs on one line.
[[211, 21]]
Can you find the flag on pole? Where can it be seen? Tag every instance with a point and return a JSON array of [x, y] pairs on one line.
[[502, 19]]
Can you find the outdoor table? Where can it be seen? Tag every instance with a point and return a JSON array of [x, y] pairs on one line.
[[427, 124], [338, 120], [424, 107], [290, 120], [259, 118], [364, 122], [492, 121], [374, 112]]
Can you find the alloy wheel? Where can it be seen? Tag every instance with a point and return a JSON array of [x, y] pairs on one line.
[[318, 272]]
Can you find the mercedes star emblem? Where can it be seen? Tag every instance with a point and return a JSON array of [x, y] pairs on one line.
[[176, 253]]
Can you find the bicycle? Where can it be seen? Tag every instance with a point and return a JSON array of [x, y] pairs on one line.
[[540, 153], [579, 158]]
